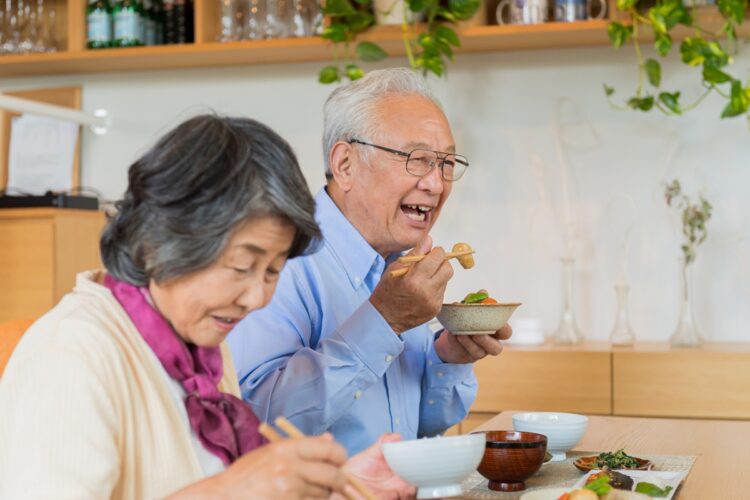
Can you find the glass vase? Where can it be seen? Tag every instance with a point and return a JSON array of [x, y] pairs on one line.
[[567, 333], [622, 334], [686, 334]]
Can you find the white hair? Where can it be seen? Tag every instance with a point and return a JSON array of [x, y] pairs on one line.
[[350, 112]]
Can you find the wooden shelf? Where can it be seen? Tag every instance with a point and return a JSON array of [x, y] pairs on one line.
[[474, 39]]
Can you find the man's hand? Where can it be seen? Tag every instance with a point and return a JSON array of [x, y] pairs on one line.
[[470, 348], [370, 467], [416, 297]]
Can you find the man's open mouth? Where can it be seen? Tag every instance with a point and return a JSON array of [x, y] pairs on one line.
[[416, 212]]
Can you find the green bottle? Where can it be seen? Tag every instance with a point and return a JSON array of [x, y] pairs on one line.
[[127, 21], [98, 24]]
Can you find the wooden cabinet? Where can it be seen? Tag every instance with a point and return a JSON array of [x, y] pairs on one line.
[[41, 250], [650, 379], [710, 382]]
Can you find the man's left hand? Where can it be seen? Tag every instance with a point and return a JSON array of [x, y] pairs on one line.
[[470, 348]]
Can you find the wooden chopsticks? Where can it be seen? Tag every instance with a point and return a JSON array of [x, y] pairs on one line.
[[293, 432], [409, 259]]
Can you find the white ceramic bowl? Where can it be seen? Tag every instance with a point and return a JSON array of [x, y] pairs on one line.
[[475, 319], [436, 466], [563, 430]]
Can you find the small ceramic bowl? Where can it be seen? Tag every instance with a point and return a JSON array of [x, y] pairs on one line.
[[510, 458], [436, 466], [563, 430], [475, 319]]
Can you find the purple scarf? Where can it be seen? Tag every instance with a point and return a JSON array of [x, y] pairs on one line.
[[225, 425]]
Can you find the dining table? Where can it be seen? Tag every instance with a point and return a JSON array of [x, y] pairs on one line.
[[721, 448]]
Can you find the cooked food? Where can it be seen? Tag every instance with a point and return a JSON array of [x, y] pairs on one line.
[[480, 297], [616, 460], [592, 491], [652, 490], [616, 479]]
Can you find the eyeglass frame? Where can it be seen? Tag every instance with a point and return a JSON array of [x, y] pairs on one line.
[[459, 158]]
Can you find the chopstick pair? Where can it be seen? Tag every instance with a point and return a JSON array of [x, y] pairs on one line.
[[293, 432], [409, 259]]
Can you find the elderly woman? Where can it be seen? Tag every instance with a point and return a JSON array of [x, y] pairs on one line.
[[125, 389]]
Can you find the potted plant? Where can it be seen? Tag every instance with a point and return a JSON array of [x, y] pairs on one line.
[[707, 49], [427, 45], [694, 216]]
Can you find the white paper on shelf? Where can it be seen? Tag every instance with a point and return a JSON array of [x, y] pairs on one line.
[[41, 155]]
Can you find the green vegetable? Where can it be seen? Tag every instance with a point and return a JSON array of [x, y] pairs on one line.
[[616, 460], [600, 485], [473, 298], [652, 490]]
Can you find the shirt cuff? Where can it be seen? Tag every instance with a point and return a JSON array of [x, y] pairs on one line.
[[440, 374], [371, 338]]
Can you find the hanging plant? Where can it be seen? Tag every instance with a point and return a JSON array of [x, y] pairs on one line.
[[711, 51], [427, 45]]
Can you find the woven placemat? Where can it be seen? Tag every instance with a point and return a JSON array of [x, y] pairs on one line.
[[564, 474]]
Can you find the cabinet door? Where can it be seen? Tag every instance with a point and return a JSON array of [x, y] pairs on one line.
[[26, 267], [545, 380]]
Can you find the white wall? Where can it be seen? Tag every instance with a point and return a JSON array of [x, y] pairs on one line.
[[501, 106]]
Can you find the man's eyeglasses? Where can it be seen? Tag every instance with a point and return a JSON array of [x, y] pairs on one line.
[[420, 162]]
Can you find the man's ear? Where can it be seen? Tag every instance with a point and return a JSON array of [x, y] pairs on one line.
[[341, 159]]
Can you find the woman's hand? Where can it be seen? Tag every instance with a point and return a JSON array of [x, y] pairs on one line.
[[370, 467], [308, 468]]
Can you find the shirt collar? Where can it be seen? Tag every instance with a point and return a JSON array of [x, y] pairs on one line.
[[347, 244]]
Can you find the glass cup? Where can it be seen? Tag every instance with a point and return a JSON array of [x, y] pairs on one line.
[[521, 12], [568, 11]]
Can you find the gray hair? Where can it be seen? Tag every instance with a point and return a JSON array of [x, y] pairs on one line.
[[188, 193], [351, 110]]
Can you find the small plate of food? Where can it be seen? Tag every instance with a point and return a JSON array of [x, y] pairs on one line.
[[646, 483], [477, 314], [618, 460]]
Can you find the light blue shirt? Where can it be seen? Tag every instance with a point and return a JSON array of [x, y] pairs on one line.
[[322, 356]]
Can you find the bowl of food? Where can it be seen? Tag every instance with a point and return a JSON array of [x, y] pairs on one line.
[[510, 458], [476, 314], [436, 466], [563, 430]]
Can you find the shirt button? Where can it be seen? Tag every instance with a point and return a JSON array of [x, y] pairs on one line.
[[439, 374], [388, 358], [430, 402], [357, 280], [396, 421], [357, 394], [429, 362]]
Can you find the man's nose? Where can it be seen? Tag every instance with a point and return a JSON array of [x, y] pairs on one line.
[[433, 181]]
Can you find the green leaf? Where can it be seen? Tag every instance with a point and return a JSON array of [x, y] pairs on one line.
[[338, 8], [354, 72], [336, 32], [417, 5], [738, 102], [434, 65], [715, 76], [619, 33], [626, 4], [464, 9], [733, 10], [609, 91], [475, 297], [641, 103], [329, 74], [370, 52], [657, 20], [663, 43], [359, 22], [652, 490], [653, 71], [671, 101], [697, 51], [446, 34]]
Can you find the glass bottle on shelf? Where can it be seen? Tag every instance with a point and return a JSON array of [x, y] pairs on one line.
[[567, 333], [127, 23], [686, 334], [622, 334], [98, 24]]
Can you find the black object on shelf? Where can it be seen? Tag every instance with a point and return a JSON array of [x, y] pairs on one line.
[[50, 199]]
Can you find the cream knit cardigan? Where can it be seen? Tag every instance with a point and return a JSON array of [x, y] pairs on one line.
[[85, 409]]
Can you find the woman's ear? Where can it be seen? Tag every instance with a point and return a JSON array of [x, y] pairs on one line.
[[341, 159]]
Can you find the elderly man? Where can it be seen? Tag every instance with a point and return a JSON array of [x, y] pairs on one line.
[[343, 346]]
